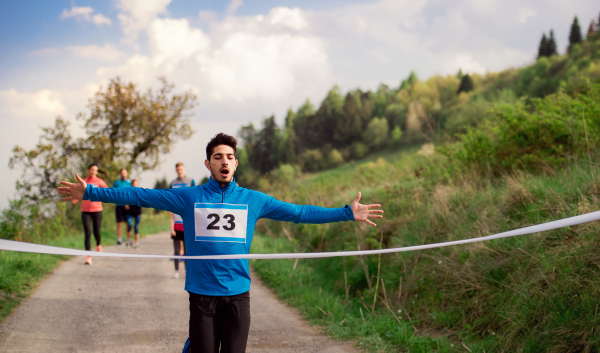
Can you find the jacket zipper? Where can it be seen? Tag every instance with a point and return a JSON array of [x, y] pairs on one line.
[[224, 193]]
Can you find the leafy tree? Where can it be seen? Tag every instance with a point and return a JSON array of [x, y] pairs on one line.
[[575, 35], [131, 129], [55, 158], [289, 154], [377, 133], [124, 129], [395, 137], [348, 124], [543, 48], [264, 146], [466, 84]]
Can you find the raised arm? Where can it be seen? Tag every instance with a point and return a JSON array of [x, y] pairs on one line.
[[165, 199], [283, 211]]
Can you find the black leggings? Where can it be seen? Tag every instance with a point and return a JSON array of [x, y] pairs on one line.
[[219, 321], [96, 219], [177, 241]]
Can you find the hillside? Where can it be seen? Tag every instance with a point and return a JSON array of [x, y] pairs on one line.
[[533, 293]]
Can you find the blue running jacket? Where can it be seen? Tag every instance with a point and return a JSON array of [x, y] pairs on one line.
[[218, 221]]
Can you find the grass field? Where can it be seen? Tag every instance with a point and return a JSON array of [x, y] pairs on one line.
[[533, 293], [20, 273]]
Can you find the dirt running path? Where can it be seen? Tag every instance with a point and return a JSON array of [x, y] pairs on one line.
[[134, 305]]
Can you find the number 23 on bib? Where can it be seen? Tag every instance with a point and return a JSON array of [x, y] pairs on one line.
[[220, 222]]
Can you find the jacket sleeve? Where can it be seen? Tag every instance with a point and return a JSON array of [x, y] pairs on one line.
[[170, 200], [283, 211]]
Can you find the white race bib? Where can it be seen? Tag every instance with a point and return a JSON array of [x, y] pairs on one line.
[[221, 222]]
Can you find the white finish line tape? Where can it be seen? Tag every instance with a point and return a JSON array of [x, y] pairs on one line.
[[46, 249]]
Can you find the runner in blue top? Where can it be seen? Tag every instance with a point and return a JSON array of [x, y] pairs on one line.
[[120, 211], [219, 218]]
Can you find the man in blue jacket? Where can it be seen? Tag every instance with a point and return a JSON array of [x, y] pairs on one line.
[[219, 218]]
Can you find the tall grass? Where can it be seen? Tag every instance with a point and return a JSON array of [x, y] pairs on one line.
[[531, 293], [20, 273]]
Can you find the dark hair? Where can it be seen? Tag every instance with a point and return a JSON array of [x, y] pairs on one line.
[[221, 139], [99, 170], [179, 164]]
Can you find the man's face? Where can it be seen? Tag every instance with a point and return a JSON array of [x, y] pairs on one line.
[[180, 171], [222, 164], [124, 174]]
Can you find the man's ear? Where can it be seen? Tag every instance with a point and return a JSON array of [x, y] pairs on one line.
[[236, 163], [207, 164]]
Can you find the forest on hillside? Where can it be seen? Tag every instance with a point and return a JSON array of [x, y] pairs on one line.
[[347, 127]]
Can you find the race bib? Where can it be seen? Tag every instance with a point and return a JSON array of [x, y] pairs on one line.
[[221, 222]]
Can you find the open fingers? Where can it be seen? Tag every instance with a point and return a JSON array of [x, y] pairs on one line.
[[67, 198], [358, 197], [374, 216], [64, 191], [373, 205], [375, 211], [371, 223], [66, 183]]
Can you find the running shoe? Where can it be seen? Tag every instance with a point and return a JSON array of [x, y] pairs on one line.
[[176, 275], [88, 260], [119, 242], [99, 248], [137, 246]]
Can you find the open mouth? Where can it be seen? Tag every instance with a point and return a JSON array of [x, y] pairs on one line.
[[224, 172]]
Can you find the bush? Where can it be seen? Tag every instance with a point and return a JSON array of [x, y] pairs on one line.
[[311, 160], [334, 159], [358, 150], [395, 137], [377, 133], [539, 136]]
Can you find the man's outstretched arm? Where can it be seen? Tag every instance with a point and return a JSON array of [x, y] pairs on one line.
[[167, 199], [283, 211]]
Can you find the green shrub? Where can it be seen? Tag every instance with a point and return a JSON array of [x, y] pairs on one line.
[[358, 150], [541, 135], [377, 133], [334, 159], [311, 160]]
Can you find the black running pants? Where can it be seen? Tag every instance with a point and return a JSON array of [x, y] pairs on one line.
[[179, 241], [219, 322], [89, 218]]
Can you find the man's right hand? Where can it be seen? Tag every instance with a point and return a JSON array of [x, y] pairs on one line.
[[74, 191]]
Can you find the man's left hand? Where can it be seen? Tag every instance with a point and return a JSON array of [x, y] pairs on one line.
[[363, 212]]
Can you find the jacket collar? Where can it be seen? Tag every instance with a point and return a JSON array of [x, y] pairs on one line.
[[216, 187]]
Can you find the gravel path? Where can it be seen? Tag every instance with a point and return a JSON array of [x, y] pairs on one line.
[[134, 305]]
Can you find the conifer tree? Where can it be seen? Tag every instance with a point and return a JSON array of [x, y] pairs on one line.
[[552, 48], [575, 35], [466, 84], [543, 48], [591, 30]]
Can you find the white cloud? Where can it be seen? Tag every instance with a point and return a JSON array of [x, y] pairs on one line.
[[174, 41], [138, 15], [85, 13], [468, 65], [233, 6], [41, 106], [106, 53], [525, 14], [292, 18]]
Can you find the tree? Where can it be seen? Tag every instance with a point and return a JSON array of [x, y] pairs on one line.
[[575, 35], [130, 129], [124, 129], [263, 146], [377, 133], [591, 30], [54, 158], [543, 48], [289, 154], [552, 48], [161, 183], [466, 84]]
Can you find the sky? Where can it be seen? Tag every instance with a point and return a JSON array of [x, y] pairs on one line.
[[246, 60]]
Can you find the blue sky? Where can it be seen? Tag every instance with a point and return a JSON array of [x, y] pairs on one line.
[[247, 60]]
